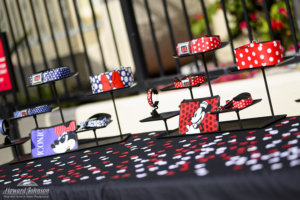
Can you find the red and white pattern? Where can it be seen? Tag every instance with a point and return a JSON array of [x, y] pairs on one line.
[[189, 81], [62, 128], [205, 43], [149, 97], [242, 103], [258, 54], [198, 45]]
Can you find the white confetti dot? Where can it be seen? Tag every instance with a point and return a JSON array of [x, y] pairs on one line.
[[262, 56], [246, 50], [253, 53], [256, 167], [259, 48], [241, 55], [276, 166], [243, 63], [249, 58], [255, 61], [251, 66], [271, 59]]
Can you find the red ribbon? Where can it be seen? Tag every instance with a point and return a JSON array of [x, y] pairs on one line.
[[115, 83], [62, 128], [258, 54], [199, 45]]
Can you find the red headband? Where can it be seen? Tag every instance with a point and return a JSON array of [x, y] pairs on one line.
[[189, 81], [240, 101], [149, 97], [257, 54]]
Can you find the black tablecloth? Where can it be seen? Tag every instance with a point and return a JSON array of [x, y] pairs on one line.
[[257, 164]]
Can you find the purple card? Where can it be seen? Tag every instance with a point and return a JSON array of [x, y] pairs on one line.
[[54, 140]]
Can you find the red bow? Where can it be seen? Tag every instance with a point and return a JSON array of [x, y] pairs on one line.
[[62, 128], [115, 83]]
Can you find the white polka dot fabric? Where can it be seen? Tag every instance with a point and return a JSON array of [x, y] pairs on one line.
[[242, 103], [189, 81], [50, 75], [205, 43], [199, 45], [149, 97], [257, 54]]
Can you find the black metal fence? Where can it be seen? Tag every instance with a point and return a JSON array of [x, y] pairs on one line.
[[51, 33]]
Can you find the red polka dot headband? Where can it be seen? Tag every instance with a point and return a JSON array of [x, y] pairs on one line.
[[149, 97], [240, 101], [198, 45], [189, 81], [258, 54]]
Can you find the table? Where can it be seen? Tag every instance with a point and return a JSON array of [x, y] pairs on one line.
[[255, 164]]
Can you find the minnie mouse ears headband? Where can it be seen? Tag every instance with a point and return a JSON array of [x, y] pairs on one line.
[[150, 93]]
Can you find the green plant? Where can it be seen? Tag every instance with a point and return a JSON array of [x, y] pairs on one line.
[[257, 20]]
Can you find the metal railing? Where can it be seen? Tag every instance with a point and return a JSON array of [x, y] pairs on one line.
[[50, 33]]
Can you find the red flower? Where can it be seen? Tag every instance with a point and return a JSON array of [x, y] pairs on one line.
[[276, 25], [253, 16], [280, 25], [243, 25], [283, 11], [292, 47], [199, 16]]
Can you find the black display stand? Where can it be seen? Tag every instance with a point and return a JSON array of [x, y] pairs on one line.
[[34, 117], [53, 87], [162, 116], [262, 68], [172, 87], [14, 144], [239, 124], [237, 111], [111, 92], [167, 115], [94, 131], [223, 44], [297, 100], [88, 143], [234, 125]]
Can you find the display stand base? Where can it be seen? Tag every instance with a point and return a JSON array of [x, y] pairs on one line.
[[90, 143], [83, 144], [247, 124], [250, 123], [12, 143]]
